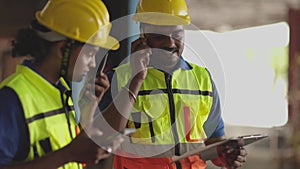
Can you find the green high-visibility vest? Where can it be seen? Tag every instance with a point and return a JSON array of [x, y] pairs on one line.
[[170, 109], [48, 112]]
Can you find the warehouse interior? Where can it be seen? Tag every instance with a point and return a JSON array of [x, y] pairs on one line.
[[252, 49]]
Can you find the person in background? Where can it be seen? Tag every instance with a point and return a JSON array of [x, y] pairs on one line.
[[174, 104], [37, 118]]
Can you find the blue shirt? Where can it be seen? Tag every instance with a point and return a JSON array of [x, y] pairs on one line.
[[14, 140], [14, 135], [214, 126]]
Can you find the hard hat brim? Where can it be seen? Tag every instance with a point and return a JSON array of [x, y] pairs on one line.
[[111, 43], [162, 19], [108, 43]]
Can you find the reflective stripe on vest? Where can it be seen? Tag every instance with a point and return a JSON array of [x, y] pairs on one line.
[[170, 109], [50, 127]]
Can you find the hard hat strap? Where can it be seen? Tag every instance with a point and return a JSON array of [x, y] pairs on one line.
[[66, 53]]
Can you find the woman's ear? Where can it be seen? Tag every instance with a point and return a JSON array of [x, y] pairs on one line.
[[60, 47]]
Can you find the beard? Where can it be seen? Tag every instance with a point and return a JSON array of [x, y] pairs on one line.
[[164, 60]]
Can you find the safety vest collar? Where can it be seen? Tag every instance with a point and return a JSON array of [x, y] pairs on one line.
[[44, 83]]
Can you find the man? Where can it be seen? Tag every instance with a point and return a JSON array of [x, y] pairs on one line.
[[37, 118], [175, 106]]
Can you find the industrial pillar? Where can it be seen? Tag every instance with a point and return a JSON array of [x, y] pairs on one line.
[[294, 86]]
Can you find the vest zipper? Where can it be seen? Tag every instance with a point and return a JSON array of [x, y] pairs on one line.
[[168, 79], [151, 128]]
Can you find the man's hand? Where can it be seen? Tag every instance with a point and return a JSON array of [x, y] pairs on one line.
[[140, 58], [232, 155], [84, 150]]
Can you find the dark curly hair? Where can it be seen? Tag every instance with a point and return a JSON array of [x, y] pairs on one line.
[[27, 42]]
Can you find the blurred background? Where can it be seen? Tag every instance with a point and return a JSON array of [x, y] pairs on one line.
[[252, 49]]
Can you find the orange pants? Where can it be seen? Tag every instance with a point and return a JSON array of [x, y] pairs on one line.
[[192, 162]]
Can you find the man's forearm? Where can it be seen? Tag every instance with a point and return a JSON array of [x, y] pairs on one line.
[[118, 112]]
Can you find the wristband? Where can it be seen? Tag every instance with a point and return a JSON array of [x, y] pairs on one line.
[[130, 92]]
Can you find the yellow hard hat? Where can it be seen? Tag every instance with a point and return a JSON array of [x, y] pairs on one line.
[[85, 21], [162, 12]]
